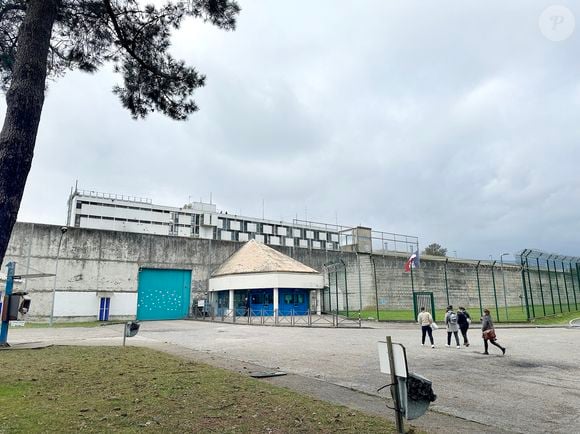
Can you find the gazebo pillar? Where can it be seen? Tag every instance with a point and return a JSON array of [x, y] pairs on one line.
[[231, 302], [276, 304], [318, 302]]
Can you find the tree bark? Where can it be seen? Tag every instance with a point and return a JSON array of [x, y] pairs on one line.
[[24, 101]]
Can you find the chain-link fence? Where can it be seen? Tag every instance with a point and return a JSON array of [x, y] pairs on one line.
[[377, 287], [551, 283]]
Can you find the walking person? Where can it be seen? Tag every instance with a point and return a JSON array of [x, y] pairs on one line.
[[452, 327], [463, 320], [488, 332], [425, 320]]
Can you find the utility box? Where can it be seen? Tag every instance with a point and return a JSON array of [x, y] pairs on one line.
[[18, 305]]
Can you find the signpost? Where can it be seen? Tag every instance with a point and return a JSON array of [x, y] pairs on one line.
[[7, 292], [23, 302], [411, 392]]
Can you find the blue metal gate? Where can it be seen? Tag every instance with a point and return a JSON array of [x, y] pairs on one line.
[[293, 301], [163, 294], [262, 302]]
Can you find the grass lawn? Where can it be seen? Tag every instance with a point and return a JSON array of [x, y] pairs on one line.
[[558, 319], [35, 325], [515, 314], [115, 389]]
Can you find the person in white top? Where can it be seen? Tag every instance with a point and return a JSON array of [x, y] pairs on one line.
[[425, 320]]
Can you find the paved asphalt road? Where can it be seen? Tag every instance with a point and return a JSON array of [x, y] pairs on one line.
[[534, 388]]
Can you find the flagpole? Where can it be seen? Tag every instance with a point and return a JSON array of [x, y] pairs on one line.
[[412, 284]]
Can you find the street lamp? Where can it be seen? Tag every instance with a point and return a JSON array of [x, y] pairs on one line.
[[503, 281], [63, 230]]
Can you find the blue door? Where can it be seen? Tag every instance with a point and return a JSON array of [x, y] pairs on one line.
[[293, 301], [163, 294], [223, 301], [262, 302]]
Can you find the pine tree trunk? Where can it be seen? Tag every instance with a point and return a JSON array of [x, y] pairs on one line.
[[24, 101]]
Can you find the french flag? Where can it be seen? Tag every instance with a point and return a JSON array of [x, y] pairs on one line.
[[412, 262]]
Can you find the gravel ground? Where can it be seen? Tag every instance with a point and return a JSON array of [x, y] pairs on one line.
[[534, 388]]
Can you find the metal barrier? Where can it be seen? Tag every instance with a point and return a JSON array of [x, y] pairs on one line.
[[259, 317]]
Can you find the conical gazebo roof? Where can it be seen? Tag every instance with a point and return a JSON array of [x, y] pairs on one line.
[[255, 257]]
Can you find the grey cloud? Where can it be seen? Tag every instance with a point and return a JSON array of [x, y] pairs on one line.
[[453, 121]]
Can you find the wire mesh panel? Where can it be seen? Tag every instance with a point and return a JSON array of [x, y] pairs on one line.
[[551, 283]]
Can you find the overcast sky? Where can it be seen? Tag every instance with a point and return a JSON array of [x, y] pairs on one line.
[[454, 121]]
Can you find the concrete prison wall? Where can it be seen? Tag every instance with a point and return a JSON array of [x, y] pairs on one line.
[[99, 263]]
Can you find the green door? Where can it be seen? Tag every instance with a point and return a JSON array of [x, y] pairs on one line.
[[423, 299], [163, 294]]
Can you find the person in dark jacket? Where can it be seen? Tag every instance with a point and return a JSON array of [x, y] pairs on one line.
[[463, 321], [488, 332]]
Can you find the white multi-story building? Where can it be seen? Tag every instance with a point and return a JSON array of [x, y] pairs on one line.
[[90, 209]]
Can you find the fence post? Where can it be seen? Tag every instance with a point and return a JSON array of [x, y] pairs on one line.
[[577, 274], [494, 291], [446, 282], [376, 288], [565, 286], [530, 288], [478, 288], [541, 290], [525, 290], [309, 318], [573, 286], [336, 287], [329, 291], [551, 288], [558, 286], [345, 291]]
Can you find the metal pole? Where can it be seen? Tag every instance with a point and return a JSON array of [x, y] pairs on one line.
[[359, 286], [478, 288], [395, 388], [124, 333], [7, 292], [541, 290], [530, 288], [336, 288], [503, 284], [376, 288], [551, 288], [565, 286], [524, 288], [558, 286], [446, 282], [62, 232], [346, 292], [573, 286], [413, 292], [494, 290], [577, 275], [329, 291]]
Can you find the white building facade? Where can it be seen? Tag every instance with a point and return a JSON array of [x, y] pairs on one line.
[[90, 209]]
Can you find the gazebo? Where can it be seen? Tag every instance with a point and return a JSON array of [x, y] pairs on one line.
[[258, 280]]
